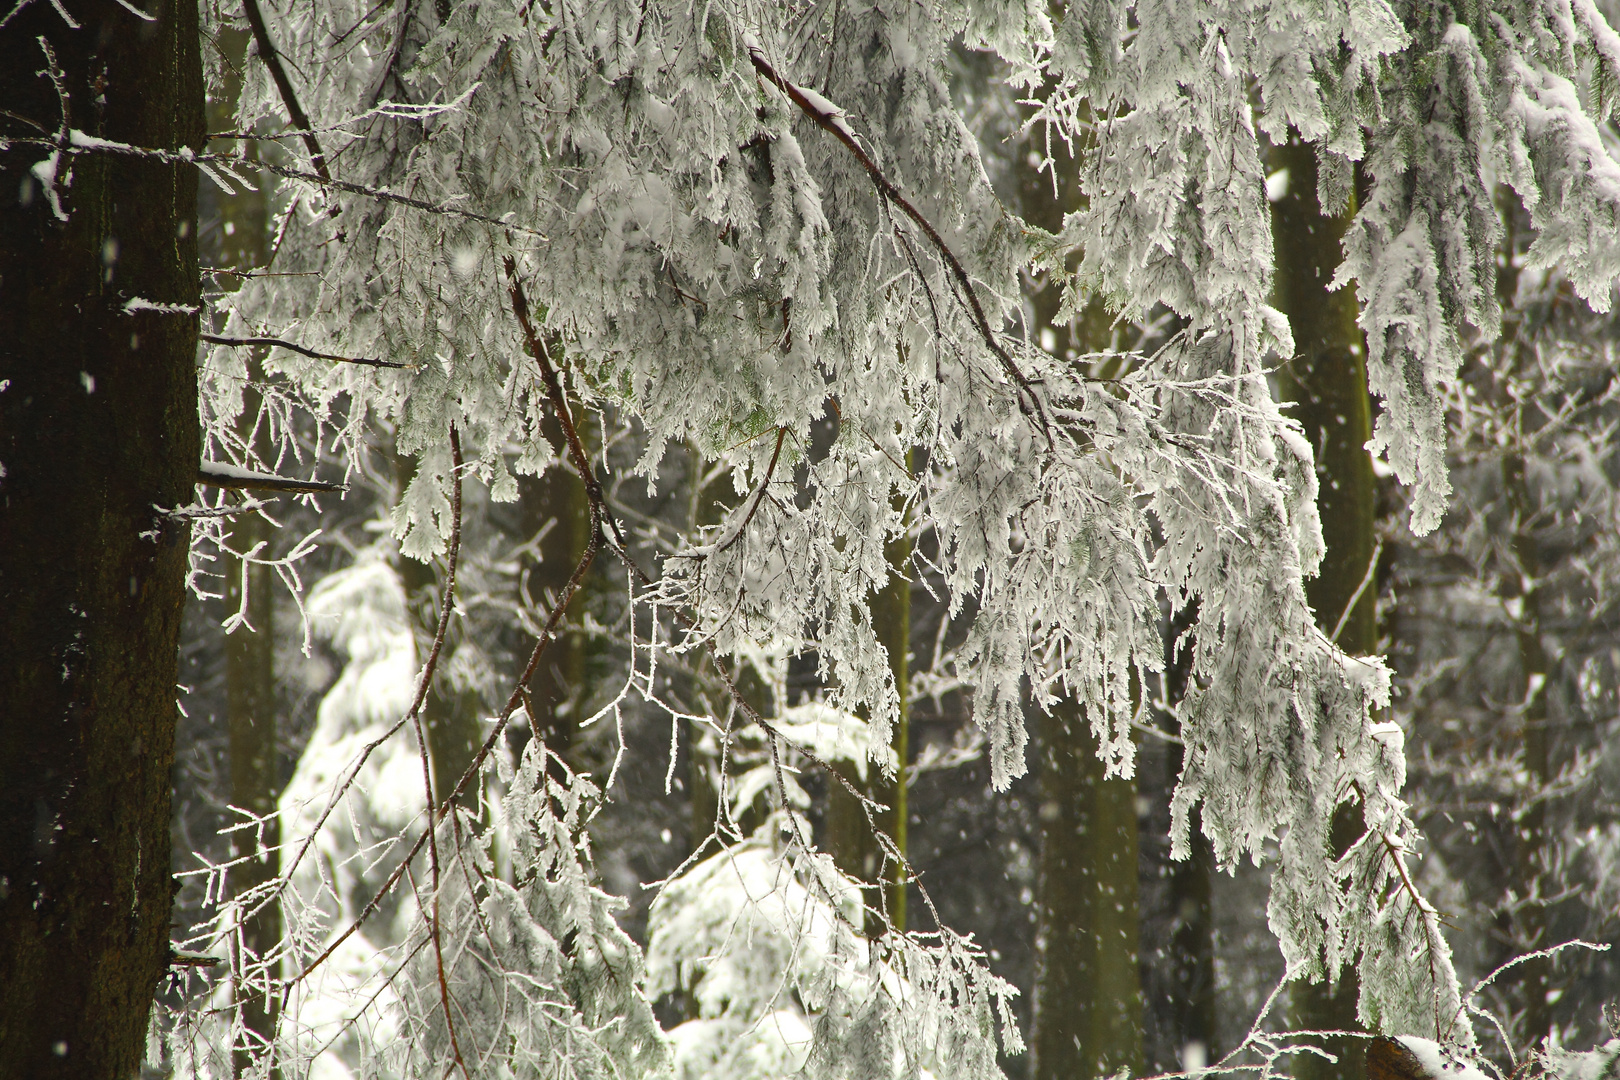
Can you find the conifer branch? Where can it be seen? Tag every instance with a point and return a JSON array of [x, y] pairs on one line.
[[821, 111], [284, 87]]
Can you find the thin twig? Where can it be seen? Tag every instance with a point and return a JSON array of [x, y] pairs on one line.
[[1355, 597], [759, 495], [215, 339]]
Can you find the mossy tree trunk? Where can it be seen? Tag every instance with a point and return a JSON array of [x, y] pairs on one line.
[[556, 503], [451, 715], [1326, 381], [849, 837], [98, 430]]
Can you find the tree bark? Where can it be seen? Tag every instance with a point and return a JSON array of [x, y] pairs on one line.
[[1191, 899], [557, 498], [232, 238], [891, 620], [98, 431], [1088, 991], [250, 686], [1326, 381], [850, 840], [451, 718]]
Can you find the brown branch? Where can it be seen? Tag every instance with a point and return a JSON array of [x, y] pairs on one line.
[[215, 339], [834, 124], [185, 959], [742, 526], [284, 87]]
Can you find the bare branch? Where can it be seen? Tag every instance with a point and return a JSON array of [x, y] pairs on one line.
[[284, 87], [219, 474], [215, 339]]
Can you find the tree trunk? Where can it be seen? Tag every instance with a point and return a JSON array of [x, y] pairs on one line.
[[891, 620], [1088, 987], [1522, 926], [250, 685], [98, 429], [556, 690], [850, 840], [1191, 900], [1327, 382], [1088, 992], [232, 237], [451, 718]]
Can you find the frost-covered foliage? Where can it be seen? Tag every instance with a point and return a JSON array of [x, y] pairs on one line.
[[735, 220], [1504, 630], [762, 942], [1436, 103], [538, 977]]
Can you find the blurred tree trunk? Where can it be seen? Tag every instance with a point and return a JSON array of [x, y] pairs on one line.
[[850, 840], [891, 620], [235, 240], [1522, 922], [849, 836], [98, 429], [556, 503], [452, 717], [1088, 991], [1327, 382], [255, 783], [1192, 946], [1088, 986]]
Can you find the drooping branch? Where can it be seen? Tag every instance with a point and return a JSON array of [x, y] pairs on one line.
[[215, 339], [831, 120]]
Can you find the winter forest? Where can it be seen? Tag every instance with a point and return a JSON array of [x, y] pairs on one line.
[[848, 539]]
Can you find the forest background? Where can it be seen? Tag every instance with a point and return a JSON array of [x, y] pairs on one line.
[[1499, 626]]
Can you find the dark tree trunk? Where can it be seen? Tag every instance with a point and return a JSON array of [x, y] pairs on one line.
[[98, 429], [1191, 900], [1327, 382], [891, 620], [250, 686], [1522, 921], [850, 839], [556, 503], [451, 718], [1088, 992], [232, 230]]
